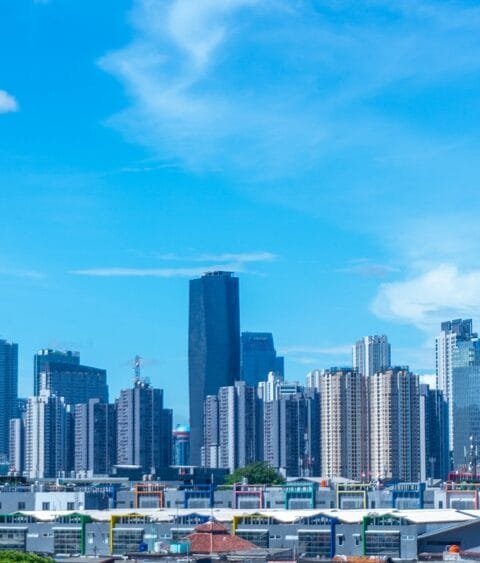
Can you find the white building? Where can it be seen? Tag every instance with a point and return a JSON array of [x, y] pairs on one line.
[[45, 436], [371, 354]]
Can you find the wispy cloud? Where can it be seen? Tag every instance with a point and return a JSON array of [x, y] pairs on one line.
[[151, 272], [8, 104], [18, 273], [199, 94], [230, 262], [425, 300], [239, 257], [368, 268], [343, 349]]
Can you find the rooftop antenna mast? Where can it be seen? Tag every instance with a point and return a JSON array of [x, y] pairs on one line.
[[137, 361]]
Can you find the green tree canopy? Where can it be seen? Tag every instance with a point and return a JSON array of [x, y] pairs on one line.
[[22, 557], [259, 473]]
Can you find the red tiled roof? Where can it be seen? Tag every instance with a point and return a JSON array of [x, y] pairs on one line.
[[212, 537], [212, 526]]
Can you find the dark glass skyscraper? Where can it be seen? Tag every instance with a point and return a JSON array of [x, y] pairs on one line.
[[47, 356], [213, 345], [8, 391], [258, 357]]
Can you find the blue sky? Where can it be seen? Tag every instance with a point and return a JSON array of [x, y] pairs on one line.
[[327, 151]]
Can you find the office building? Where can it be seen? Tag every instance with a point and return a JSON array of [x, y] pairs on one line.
[[144, 428], [434, 462], [46, 437], [95, 438], [393, 397], [343, 424], [213, 345], [465, 407], [452, 333], [76, 383], [8, 391], [181, 445], [46, 356], [259, 357], [371, 354]]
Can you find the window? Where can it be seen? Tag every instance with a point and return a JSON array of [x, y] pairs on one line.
[[340, 539], [70, 506], [126, 540], [258, 537], [21, 506], [46, 506], [13, 539], [314, 543], [382, 543], [67, 540]]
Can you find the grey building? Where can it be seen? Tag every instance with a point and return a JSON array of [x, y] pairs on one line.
[[8, 391], [230, 427], [46, 356], [213, 345], [16, 455], [144, 428], [95, 437], [209, 456], [371, 354], [74, 382], [291, 433], [259, 357]]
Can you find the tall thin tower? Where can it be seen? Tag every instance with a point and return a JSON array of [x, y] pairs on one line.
[[8, 391], [213, 345]]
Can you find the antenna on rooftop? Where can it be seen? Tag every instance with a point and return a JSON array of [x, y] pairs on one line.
[[137, 361]]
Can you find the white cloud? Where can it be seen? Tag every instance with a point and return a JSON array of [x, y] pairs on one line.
[[367, 268], [425, 300], [227, 257], [154, 272], [230, 262], [204, 77], [8, 103], [343, 349]]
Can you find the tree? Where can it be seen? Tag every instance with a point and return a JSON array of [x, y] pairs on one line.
[[22, 557], [259, 473]]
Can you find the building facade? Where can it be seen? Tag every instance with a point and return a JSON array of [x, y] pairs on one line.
[[343, 424], [213, 345], [74, 382], [45, 356], [394, 407], [181, 445], [95, 441], [433, 434], [453, 334], [46, 437], [230, 427], [8, 391], [144, 428], [259, 357]]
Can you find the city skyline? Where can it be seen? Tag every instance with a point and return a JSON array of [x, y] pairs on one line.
[[257, 138]]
